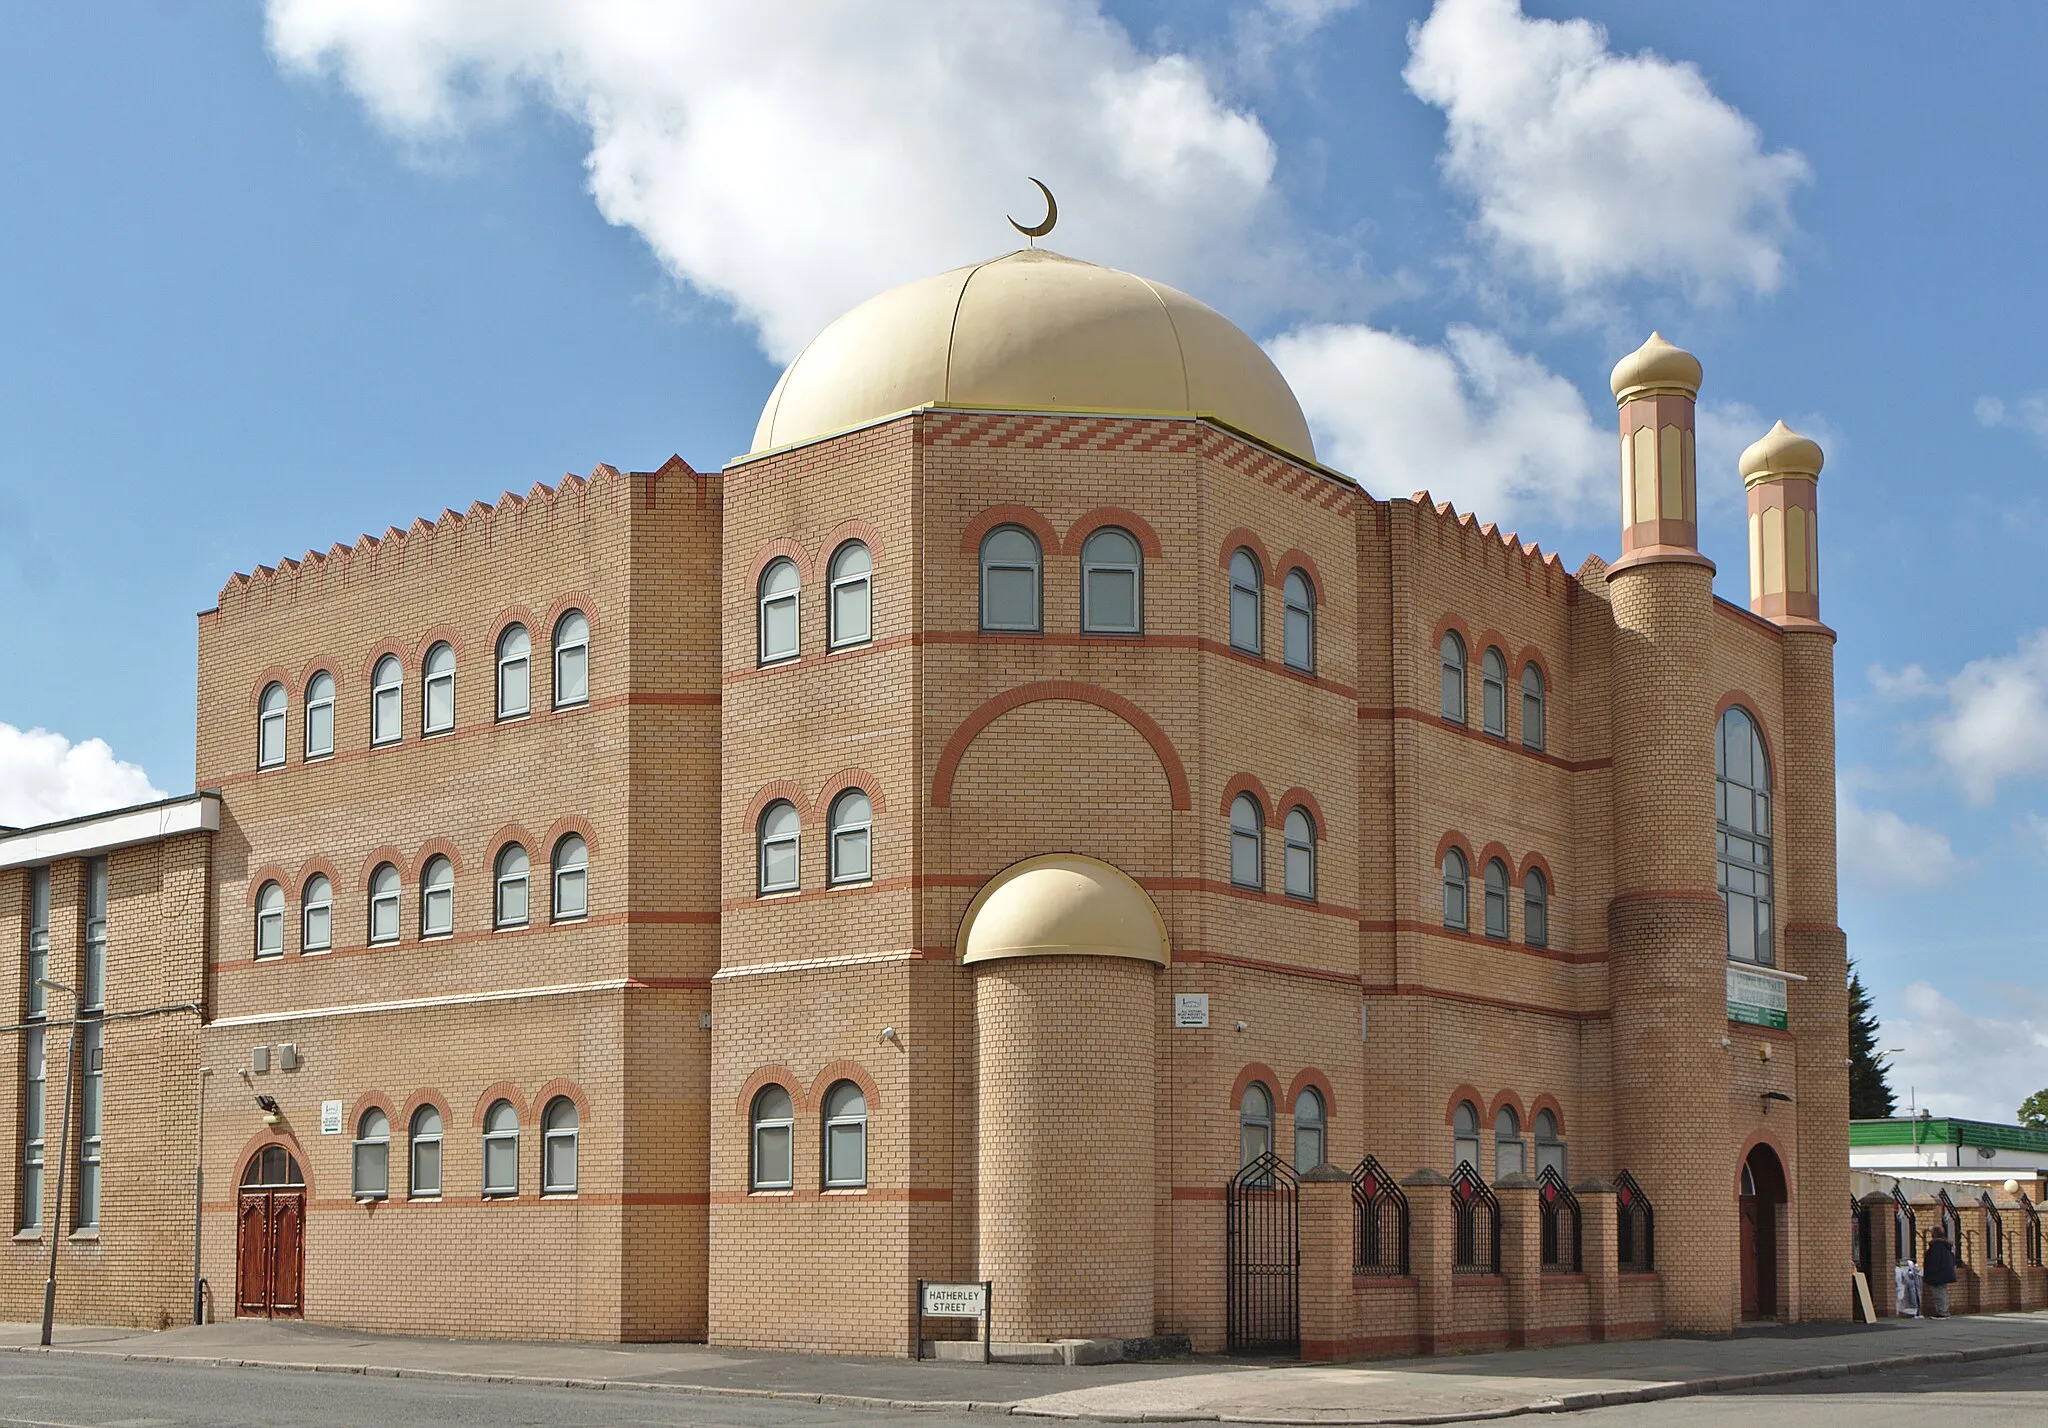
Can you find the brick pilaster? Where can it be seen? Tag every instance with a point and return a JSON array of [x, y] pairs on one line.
[[1430, 1234]]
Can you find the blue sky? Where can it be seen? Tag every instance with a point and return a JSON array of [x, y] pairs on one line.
[[271, 277]]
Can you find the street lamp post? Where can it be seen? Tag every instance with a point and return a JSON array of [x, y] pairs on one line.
[[53, 1217], [199, 1196]]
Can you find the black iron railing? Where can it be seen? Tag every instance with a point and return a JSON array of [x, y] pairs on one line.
[[1995, 1251], [1557, 1211], [1905, 1229], [1635, 1225], [1379, 1222], [1262, 1257], [1475, 1222]]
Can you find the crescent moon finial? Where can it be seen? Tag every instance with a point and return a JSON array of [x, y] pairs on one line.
[[1052, 216]]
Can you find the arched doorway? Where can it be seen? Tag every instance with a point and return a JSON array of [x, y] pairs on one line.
[[270, 1236], [1762, 1194]]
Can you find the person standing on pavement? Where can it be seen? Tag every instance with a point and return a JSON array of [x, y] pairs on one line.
[[1938, 1270]]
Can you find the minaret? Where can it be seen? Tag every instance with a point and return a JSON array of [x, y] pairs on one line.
[[1666, 928], [1782, 473]]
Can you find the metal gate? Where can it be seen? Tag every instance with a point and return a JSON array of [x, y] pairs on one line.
[[1262, 1258]]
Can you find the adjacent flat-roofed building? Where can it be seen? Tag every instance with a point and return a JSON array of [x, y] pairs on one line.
[[1026, 820]]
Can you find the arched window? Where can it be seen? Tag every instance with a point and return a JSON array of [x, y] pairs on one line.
[[1549, 1144], [778, 594], [426, 1153], [1536, 908], [1509, 1157], [1465, 1135], [1493, 693], [387, 701], [1009, 580], [320, 715], [572, 878], [849, 599], [1298, 642], [1309, 1140], [1532, 707], [778, 840], [270, 727], [1496, 898], [437, 690], [437, 898], [384, 904], [515, 672], [371, 1177], [1254, 1123], [558, 1127], [316, 914], [1246, 583], [270, 921], [1451, 659], [512, 897], [772, 1122], [1300, 833], [1112, 583], [1457, 889], [1742, 806], [1247, 843], [849, 834], [501, 1149], [572, 659], [846, 1137]]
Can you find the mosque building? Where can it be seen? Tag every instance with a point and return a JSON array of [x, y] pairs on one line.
[[1087, 845]]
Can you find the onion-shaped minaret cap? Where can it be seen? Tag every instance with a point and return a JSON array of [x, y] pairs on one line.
[[1781, 451], [1656, 366]]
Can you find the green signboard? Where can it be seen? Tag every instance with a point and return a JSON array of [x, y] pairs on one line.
[[1756, 998]]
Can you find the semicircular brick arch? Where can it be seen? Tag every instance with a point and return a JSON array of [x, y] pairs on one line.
[[972, 726]]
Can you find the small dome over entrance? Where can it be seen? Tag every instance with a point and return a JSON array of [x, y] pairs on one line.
[[1062, 905]]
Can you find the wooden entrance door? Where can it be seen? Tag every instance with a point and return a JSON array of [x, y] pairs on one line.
[[270, 1237]]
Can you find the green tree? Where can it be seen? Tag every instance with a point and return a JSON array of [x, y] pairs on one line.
[[2034, 1110], [1870, 1097]]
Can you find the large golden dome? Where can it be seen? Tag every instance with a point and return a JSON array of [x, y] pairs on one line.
[[1032, 331]]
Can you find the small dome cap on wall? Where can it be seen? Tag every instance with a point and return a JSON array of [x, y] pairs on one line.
[[1062, 905], [1780, 451], [1656, 366]]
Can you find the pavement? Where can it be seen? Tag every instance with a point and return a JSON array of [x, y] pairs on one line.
[[1424, 1390]]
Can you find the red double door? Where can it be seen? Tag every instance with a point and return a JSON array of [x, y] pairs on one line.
[[270, 1253]]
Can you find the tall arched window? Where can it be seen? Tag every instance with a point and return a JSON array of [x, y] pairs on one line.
[[846, 1137], [1509, 1155], [1009, 580], [1465, 1135], [1457, 890], [384, 904], [1451, 662], [320, 715], [1254, 1123], [1493, 693], [316, 914], [371, 1177], [1309, 1138], [1112, 583], [1536, 908], [1300, 832], [848, 600], [437, 897], [426, 1154], [387, 701], [515, 672], [1549, 1143], [778, 841], [513, 894], [1298, 642], [572, 659], [559, 1124], [270, 921], [437, 690], [1496, 898], [778, 593], [849, 827], [772, 1121], [1247, 581], [572, 878], [1247, 843], [1532, 707], [270, 727], [501, 1149], [1742, 801]]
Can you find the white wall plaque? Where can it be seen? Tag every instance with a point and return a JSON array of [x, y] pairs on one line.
[[330, 1118], [1190, 1008]]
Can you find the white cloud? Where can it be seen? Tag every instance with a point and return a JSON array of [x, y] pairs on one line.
[[1589, 167], [44, 777], [1910, 682], [791, 160], [1958, 1063], [1474, 421], [1996, 725], [2029, 414], [1881, 852]]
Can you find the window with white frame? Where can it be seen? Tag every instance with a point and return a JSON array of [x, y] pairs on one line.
[[1300, 832], [316, 914], [1493, 693], [35, 1081], [1247, 582], [95, 995], [1549, 1143], [85, 1207], [1298, 642], [1457, 890], [779, 592], [1533, 698], [437, 690], [1510, 1156], [1465, 1135], [270, 727], [384, 887], [437, 897], [501, 1149], [1496, 898], [425, 1138], [558, 1130], [387, 701], [1536, 908], [371, 1175], [850, 834], [772, 1122], [320, 715], [846, 1136], [512, 895], [515, 672], [848, 598], [572, 659], [270, 920], [1451, 669], [1009, 581], [572, 878], [38, 939], [1247, 842], [1742, 816], [1254, 1123], [1112, 583], [778, 832], [1309, 1128]]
